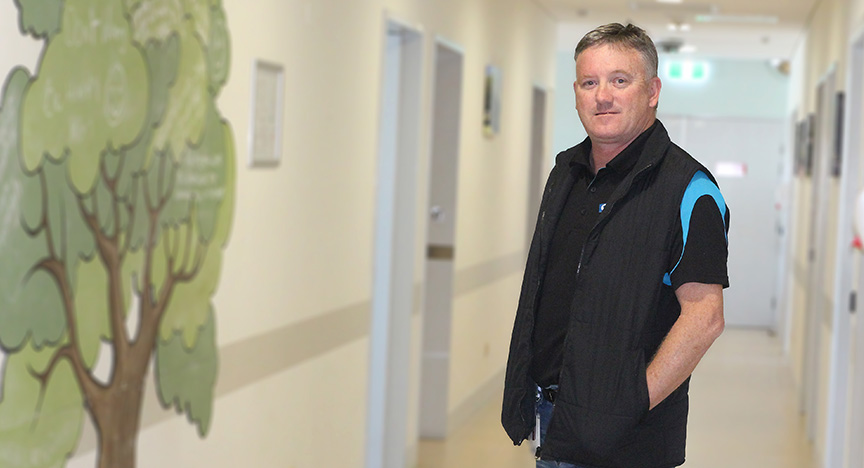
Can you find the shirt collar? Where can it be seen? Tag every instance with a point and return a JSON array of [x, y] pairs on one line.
[[624, 161]]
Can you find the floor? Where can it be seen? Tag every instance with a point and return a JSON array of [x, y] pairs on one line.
[[743, 414]]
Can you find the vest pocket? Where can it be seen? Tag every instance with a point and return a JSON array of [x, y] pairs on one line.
[[614, 401], [632, 398], [593, 434]]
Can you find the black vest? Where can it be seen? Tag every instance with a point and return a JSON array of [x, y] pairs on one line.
[[621, 312]]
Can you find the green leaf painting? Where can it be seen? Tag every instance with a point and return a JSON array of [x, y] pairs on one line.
[[117, 179], [40, 18], [186, 375]]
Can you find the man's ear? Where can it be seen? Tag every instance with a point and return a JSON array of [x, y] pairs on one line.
[[654, 86]]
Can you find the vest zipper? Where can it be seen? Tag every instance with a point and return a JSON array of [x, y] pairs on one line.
[[607, 209]]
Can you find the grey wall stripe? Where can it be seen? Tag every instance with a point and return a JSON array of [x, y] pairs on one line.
[[285, 347], [280, 349], [246, 362], [480, 275]]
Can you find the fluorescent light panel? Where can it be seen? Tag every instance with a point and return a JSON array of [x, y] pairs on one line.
[[748, 19], [683, 27]]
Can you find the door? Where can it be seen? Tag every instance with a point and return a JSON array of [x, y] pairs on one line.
[[753, 148], [818, 317], [441, 235]]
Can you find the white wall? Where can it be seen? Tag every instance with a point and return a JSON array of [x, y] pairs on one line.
[[823, 48], [747, 88]]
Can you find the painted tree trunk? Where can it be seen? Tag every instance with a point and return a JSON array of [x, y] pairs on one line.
[[118, 417]]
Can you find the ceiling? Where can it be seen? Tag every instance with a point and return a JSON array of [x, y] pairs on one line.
[[759, 29]]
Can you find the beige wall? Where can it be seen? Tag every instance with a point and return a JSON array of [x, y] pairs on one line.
[[825, 47], [822, 46], [293, 304]]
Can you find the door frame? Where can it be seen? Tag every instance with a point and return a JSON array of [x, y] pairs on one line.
[[817, 255], [537, 167], [788, 223], [838, 387], [394, 250]]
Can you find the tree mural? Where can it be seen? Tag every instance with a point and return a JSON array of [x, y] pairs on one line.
[[116, 188]]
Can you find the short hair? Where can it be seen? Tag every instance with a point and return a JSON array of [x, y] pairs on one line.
[[626, 37]]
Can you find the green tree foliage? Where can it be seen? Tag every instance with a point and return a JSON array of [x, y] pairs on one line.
[[117, 180], [40, 18]]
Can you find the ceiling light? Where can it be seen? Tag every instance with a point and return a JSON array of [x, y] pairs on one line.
[[760, 19], [678, 26], [669, 1]]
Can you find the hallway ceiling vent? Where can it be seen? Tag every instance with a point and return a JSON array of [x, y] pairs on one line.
[[671, 45]]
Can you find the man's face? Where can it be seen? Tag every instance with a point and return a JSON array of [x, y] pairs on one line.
[[614, 97]]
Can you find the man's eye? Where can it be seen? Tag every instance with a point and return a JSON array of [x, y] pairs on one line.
[[620, 81], [588, 83]]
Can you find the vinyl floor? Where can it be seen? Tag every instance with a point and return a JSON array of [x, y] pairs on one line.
[[743, 415]]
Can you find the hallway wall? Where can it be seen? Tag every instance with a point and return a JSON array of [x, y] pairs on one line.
[[824, 48], [294, 296], [308, 225]]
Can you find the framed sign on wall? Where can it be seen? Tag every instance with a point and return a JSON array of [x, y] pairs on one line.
[[265, 130], [492, 101]]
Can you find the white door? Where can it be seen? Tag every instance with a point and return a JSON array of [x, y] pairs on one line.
[[441, 235], [818, 314], [756, 144]]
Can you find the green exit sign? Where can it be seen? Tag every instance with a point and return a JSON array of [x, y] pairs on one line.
[[688, 71]]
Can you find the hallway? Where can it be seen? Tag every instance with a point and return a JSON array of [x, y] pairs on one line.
[[743, 414]]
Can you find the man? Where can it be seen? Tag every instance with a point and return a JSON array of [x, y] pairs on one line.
[[623, 288]]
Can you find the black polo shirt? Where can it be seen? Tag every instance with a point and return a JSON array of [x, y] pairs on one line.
[[583, 206], [703, 259]]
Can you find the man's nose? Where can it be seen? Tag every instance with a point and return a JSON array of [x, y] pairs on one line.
[[604, 94]]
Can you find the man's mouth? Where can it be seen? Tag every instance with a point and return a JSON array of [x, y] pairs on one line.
[[606, 113]]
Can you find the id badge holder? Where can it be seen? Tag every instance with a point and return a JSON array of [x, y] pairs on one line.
[[535, 436]]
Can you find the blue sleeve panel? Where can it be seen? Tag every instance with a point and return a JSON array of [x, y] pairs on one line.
[[700, 185]]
